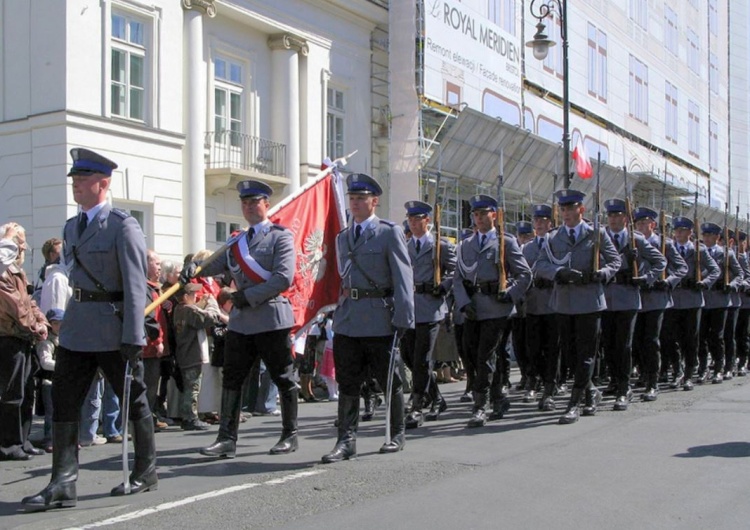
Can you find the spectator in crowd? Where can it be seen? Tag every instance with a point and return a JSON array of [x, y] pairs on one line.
[[51, 250], [157, 345], [91, 412], [55, 291], [45, 351]]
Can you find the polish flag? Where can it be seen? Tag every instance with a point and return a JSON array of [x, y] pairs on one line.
[[583, 164]]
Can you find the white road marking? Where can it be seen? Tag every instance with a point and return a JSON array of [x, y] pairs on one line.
[[203, 496]]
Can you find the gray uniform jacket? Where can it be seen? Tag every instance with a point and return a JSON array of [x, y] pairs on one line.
[[272, 247], [577, 299], [685, 296], [744, 294], [477, 266], [380, 253], [655, 299], [716, 297], [627, 297], [540, 292], [429, 308], [113, 250]]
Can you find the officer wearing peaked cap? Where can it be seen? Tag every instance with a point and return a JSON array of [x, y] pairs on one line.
[[578, 294], [624, 299], [717, 302], [743, 319], [262, 262], [102, 329], [377, 300], [430, 308], [655, 300], [735, 298], [541, 329], [485, 304]]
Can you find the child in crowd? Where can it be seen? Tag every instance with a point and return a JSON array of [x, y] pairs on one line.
[[45, 351]]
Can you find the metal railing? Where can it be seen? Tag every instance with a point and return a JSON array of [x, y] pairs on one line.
[[242, 151]]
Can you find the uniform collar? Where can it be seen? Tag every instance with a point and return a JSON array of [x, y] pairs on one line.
[[93, 212]]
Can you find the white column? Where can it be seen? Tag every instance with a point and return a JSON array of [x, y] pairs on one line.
[[194, 181], [285, 127]]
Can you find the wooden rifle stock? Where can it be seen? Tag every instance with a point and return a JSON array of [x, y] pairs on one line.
[[663, 230], [436, 256], [499, 224], [631, 232]]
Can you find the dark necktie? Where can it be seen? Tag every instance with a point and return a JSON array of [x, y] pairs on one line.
[[250, 234], [83, 221], [617, 241], [418, 245], [572, 236], [357, 232], [682, 250], [482, 240], [539, 242]]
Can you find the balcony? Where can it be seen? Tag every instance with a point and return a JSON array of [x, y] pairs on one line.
[[232, 157]]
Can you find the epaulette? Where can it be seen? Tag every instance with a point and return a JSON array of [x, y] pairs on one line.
[[120, 213], [389, 223], [277, 227], [343, 230]]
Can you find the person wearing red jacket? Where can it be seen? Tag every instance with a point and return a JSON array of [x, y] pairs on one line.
[[157, 345]]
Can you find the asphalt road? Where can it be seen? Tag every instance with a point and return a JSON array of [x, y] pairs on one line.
[[680, 462]]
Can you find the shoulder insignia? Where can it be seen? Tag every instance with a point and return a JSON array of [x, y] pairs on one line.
[[343, 230], [277, 227], [120, 213], [389, 223]]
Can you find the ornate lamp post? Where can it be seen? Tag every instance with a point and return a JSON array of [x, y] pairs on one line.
[[541, 45]]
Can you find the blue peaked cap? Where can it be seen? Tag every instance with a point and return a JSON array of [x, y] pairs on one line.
[[361, 183], [615, 206], [644, 213], [254, 188], [524, 227], [483, 202], [569, 196], [682, 222], [87, 162], [417, 208], [710, 228], [542, 210]]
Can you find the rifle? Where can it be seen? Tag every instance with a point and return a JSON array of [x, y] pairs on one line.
[[597, 212], [631, 230], [436, 256], [663, 221], [555, 208], [726, 244], [737, 225], [696, 227], [499, 226]]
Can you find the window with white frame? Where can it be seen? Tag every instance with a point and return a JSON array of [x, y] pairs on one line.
[[694, 47], [597, 56], [228, 88], [638, 90], [128, 63], [553, 63], [671, 118], [143, 213], [694, 126], [713, 144], [335, 118], [639, 12], [713, 72], [503, 13], [713, 17], [671, 32]]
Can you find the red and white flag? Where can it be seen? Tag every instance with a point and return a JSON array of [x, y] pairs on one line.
[[583, 164], [314, 216]]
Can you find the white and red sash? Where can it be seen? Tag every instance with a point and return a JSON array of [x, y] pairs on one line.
[[248, 264]]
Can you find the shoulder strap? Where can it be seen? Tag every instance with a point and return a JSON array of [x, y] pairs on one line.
[[88, 272]]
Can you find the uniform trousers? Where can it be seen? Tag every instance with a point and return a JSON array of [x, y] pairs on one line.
[[580, 333], [712, 338], [356, 358], [647, 340], [74, 372], [241, 351], [730, 345], [682, 336], [617, 343], [543, 347], [482, 339], [741, 332], [417, 347], [16, 394], [520, 348]]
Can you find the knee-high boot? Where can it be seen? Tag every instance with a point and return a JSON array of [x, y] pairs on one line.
[[346, 443], [61, 491], [143, 477], [225, 445], [288, 442], [398, 439]]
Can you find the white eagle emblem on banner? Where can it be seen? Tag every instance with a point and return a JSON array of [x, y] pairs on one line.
[[311, 259]]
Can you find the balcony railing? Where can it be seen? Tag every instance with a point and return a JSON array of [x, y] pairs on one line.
[[228, 149]]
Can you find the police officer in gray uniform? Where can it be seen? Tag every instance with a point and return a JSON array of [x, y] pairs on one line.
[[655, 300], [430, 308], [718, 300], [485, 304], [261, 262], [742, 329], [733, 312], [102, 329], [529, 372], [541, 329], [624, 298], [377, 300], [683, 320], [578, 294]]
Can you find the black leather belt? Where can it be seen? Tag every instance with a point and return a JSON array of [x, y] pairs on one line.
[[487, 287], [421, 288], [356, 294], [80, 295], [541, 283]]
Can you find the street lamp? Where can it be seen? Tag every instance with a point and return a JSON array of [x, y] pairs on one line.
[[541, 45]]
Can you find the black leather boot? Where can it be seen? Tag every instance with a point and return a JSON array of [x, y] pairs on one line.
[[438, 405], [61, 491], [415, 417], [652, 388], [372, 401], [346, 443], [573, 412], [143, 477], [225, 445], [500, 406], [398, 440], [547, 403], [592, 399], [478, 416], [288, 442]]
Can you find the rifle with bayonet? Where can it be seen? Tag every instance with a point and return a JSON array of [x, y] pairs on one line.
[[663, 221], [437, 272], [631, 229], [500, 227], [726, 244], [597, 213], [696, 228]]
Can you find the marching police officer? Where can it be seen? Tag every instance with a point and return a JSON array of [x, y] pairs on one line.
[[261, 262], [578, 294], [430, 308], [718, 300], [733, 312], [102, 329], [683, 320], [654, 302], [529, 372], [743, 319], [377, 299], [485, 304]]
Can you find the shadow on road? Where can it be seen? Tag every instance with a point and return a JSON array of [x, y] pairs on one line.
[[723, 450]]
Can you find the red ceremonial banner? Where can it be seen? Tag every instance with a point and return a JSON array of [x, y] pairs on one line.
[[314, 219]]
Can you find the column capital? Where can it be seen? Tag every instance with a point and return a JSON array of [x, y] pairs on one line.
[[287, 41], [207, 6]]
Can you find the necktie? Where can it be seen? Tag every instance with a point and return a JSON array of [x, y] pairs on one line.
[[418, 245], [357, 232], [250, 234], [617, 241], [539, 242], [482, 241], [682, 250], [83, 221], [572, 236]]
